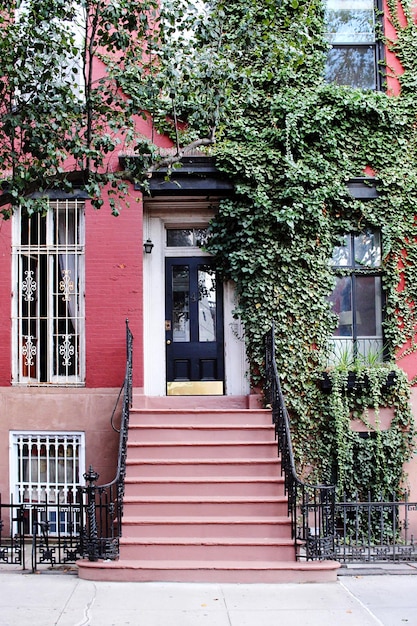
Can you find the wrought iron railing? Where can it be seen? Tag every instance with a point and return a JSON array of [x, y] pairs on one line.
[[102, 505], [53, 530], [311, 508], [12, 543], [375, 530]]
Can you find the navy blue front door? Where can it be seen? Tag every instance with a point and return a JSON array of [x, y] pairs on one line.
[[193, 327]]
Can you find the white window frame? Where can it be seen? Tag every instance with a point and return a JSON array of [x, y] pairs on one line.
[[58, 349]]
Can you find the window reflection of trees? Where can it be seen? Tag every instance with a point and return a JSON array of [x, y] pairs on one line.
[[354, 66], [350, 26]]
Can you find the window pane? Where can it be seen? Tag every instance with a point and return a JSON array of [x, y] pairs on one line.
[[341, 299], [368, 249], [350, 21], [368, 306], [352, 65], [342, 255], [201, 236], [178, 237], [186, 237], [181, 303], [206, 303]]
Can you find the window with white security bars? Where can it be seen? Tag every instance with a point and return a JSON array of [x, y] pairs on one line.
[[48, 301], [45, 471]]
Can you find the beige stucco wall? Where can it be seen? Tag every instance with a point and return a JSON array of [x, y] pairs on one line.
[[56, 410]]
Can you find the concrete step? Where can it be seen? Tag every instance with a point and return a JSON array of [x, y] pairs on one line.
[[213, 549], [190, 403], [216, 486], [218, 449], [201, 417], [179, 432], [207, 527], [237, 571], [231, 507], [177, 468]]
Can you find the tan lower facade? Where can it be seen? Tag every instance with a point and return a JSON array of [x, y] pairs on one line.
[[61, 411]]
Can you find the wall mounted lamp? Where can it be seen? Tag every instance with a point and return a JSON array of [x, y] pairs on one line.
[[148, 245]]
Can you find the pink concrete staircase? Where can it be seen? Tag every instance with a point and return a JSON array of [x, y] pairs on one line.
[[204, 500]]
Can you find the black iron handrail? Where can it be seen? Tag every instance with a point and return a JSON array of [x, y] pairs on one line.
[[311, 508], [102, 505]]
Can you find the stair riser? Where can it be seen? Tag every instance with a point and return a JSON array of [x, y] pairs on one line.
[[179, 470], [206, 552], [145, 434], [254, 488], [233, 510], [201, 418], [207, 531], [205, 451]]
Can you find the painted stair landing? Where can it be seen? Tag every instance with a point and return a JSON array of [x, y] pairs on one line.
[[204, 502]]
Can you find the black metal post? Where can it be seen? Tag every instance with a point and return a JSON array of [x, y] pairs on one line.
[[91, 477]]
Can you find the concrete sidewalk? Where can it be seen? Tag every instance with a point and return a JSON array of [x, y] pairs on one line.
[[62, 599]]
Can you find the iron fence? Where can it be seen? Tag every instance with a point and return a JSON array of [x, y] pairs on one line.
[[325, 526], [53, 539], [375, 530]]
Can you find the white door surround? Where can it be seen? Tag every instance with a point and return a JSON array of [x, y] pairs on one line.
[[160, 214]]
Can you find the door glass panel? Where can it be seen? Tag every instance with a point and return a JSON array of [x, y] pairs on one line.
[[206, 303], [181, 303]]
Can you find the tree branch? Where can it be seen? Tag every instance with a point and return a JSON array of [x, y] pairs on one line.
[[175, 158]]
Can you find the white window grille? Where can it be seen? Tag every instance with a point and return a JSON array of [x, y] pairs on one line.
[[48, 304], [46, 469]]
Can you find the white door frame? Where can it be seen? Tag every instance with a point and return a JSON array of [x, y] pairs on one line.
[[188, 214]]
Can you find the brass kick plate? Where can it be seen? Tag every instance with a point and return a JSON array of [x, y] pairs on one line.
[[196, 388]]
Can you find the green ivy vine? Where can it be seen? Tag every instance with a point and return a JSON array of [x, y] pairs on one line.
[[291, 146]]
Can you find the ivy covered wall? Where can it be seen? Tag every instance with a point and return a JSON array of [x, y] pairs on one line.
[[291, 145]]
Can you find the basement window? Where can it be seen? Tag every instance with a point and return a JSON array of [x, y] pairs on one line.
[[45, 471]]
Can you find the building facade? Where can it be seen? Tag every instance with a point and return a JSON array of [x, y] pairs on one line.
[[71, 279]]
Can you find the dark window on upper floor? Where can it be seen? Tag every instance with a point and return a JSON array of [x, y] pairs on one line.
[[355, 53]]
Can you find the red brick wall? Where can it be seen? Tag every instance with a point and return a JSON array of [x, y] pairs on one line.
[[114, 251]]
